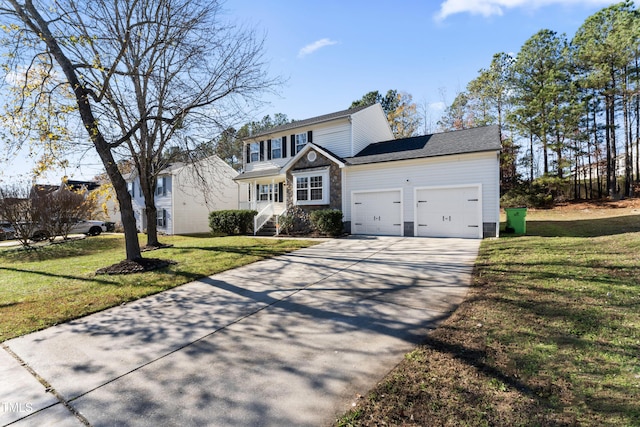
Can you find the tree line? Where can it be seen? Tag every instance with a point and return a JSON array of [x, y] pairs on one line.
[[568, 109]]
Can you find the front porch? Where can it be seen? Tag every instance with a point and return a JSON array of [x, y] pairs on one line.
[[268, 198]]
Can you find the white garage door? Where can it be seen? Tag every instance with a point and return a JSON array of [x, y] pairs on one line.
[[378, 213], [449, 212]]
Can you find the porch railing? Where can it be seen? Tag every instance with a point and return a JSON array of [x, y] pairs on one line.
[[263, 216]]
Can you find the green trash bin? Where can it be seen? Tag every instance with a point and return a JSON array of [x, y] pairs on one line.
[[516, 220]]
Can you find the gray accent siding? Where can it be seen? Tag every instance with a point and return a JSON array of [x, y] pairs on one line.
[[489, 229], [408, 228]]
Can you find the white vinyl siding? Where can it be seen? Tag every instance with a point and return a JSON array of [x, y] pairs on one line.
[[191, 200], [368, 126], [342, 136], [335, 138], [454, 170]]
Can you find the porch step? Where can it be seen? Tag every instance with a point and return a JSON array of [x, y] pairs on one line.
[[268, 229]]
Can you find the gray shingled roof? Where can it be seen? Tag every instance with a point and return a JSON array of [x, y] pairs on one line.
[[308, 122], [258, 174], [486, 138]]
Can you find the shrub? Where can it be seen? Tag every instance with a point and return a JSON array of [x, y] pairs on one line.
[[327, 221], [543, 192], [232, 221], [295, 221]]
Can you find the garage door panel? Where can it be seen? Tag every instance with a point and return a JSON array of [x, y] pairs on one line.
[[378, 213], [448, 212]]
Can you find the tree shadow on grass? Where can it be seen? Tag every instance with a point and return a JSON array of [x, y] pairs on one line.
[[63, 276], [61, 249]]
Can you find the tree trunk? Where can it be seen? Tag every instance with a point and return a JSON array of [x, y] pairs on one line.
[[559, 155], [132, 245], [531, 165], [612, 132], [627, 137], [637, 106], [545, 154], [41, 27], [148, 191], [610, 181]]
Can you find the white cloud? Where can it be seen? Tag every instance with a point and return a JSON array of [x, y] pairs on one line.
[[318, 44], [497, 7]]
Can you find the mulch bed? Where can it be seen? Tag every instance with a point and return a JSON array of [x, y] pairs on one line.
[[140, 265]]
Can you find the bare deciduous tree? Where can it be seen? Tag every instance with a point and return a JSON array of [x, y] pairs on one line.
[[59, 210], [141, 73], [16, 207]]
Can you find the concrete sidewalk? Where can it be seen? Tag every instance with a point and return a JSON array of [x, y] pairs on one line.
[[285, 341]]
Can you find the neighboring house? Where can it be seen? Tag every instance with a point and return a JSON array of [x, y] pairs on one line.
[[600, 167], [443, 185], [185, 195]]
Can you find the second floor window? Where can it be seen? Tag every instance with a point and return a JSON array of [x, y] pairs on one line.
[[276, 148], [131, 188], [301, 141], [254, 151], [161, 186]]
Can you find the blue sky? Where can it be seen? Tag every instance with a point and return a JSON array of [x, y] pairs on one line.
[[332, 52]]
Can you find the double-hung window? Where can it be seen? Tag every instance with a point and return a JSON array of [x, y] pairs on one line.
[[161, 218], [269, 192], [254, 151], [161, 186], [276, 148], [312, 188], [131, 189], [264, 192], [315, 187], [302, 188], [301, 141]]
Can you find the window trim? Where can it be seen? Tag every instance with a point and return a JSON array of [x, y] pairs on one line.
[[324, 174]]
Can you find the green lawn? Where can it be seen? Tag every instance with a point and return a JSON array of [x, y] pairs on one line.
[[549, 335], [56, 283]]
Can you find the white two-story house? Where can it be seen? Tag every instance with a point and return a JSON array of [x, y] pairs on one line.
[[434, 185], [186, 193]]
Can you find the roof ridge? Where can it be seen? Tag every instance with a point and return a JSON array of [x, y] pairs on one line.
[[312, 120]]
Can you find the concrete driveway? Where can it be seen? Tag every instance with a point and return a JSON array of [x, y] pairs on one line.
[[286, 341]]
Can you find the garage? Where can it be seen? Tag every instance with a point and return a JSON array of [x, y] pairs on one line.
[[449, 212], [377, 212]]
